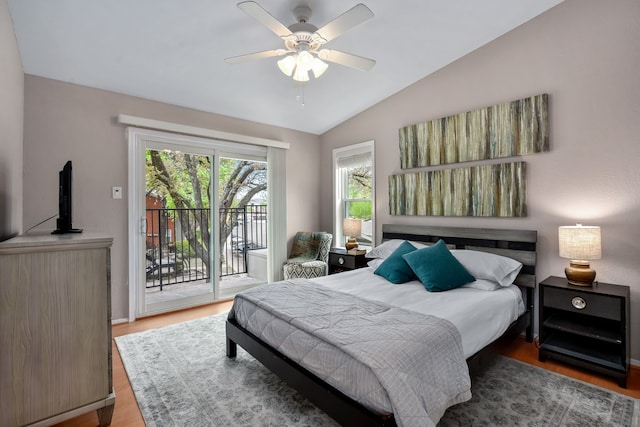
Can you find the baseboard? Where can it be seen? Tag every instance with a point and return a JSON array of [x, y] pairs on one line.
[[117, 321]]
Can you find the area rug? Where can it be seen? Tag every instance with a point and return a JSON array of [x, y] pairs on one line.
[[181, 377]]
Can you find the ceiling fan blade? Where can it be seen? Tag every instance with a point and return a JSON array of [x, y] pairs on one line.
[[347, 59], [257, 55], [253, 9], [351, 18]]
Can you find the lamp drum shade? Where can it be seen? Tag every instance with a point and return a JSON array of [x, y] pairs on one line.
[[580, 244], [351, 228]]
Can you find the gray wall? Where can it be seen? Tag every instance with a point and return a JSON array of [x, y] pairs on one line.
[[69, 122], [585, 54], [11, 124]]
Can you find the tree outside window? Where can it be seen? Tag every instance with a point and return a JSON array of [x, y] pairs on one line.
[[354, 190], [182, 181]]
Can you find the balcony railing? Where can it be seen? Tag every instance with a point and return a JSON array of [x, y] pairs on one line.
[[177, 248]]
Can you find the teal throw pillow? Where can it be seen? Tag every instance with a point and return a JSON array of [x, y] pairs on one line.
[[437, 268], [395, 268]]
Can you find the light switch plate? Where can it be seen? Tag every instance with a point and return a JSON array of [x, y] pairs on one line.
[[116, 192]]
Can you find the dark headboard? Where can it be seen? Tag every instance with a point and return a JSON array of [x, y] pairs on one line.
[[517, 244]]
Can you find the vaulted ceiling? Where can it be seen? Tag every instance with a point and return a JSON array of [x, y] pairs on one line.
[[173, 51]]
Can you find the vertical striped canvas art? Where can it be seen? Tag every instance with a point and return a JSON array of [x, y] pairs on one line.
[[505, 130], [488, 190]]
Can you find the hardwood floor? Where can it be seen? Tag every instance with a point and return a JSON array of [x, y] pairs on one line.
[[127, 414], [526, 352]]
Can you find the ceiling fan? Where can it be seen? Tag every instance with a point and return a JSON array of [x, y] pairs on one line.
[[303, 42]]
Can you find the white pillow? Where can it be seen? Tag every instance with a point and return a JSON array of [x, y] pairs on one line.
[[375, 263], [488, 266], [485, 285], [384, 249]]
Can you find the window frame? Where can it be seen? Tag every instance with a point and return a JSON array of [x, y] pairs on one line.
[[340, 187]]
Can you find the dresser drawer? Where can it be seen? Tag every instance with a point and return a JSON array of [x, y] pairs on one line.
[[586, 303]]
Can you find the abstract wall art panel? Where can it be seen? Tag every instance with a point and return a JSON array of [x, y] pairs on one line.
[[489, 190], [505, 130]]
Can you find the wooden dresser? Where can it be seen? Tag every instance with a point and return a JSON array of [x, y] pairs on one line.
[[55, 328]]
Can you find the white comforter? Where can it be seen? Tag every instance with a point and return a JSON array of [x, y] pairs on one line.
[[480, 316]]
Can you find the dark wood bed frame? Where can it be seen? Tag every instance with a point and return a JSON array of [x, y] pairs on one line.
[[516, 244]]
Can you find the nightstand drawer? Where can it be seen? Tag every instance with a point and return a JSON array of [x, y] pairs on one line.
[[342, 260], [583, 302]]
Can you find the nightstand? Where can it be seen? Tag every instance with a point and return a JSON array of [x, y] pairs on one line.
[[340, 260], [585, 326]]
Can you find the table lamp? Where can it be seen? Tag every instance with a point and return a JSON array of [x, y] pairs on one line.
[[580, 244], [351, 228]]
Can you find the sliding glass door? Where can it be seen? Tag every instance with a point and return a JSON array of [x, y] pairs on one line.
[[197, 221], [243, 211], [178, 240]]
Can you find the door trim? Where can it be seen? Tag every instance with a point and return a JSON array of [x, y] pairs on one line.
[[142, 122]]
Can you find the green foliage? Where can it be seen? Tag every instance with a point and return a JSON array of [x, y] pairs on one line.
[[359, 210], [240, 181], [172, 175], [359, 182], [358, 203], [183, 248]]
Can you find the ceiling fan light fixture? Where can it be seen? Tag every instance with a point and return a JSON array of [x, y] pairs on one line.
[[301, 75], [288, 64], [305, 60], [318, 67]]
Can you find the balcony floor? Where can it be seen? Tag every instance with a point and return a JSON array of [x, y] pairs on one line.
[[229, 286]]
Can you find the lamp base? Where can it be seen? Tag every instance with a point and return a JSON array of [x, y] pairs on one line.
[[351, 243], [579, 273]]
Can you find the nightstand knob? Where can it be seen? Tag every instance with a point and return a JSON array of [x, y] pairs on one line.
[[578, 303], [340, 260]]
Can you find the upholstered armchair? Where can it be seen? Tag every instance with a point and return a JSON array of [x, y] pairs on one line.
[[309, 255]]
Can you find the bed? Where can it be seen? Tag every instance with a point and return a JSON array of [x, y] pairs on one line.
[[337, 399]]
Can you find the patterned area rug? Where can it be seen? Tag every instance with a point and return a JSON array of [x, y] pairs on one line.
[[181, 377]]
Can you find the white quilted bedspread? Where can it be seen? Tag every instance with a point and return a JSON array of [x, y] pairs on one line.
[[373, 352]]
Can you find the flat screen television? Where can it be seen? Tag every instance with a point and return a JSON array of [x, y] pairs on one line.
[[63, 223]]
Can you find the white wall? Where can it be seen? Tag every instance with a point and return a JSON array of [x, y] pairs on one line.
[[11, 123], [585, 55], [69, 122]]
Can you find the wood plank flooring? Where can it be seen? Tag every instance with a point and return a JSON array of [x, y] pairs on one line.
[[127, 414]]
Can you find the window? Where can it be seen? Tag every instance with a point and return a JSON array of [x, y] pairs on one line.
[[354, 190]]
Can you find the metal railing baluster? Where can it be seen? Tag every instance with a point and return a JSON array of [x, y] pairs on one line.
[[172, 259]]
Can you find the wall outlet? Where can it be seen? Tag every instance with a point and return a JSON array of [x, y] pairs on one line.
[[116, 192]]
